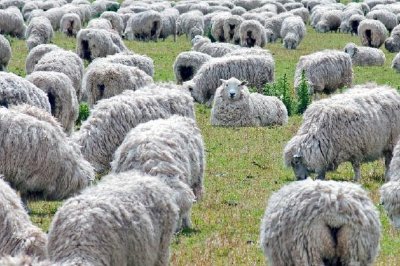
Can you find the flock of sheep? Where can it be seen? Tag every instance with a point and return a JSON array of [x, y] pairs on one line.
[[142, 136]]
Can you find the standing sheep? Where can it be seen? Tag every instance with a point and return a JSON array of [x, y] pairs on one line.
[[388, 18], [105, 129], [116, 21], [169, 17], [354, 22], [12, 22], [252, 33], [357, 126], [188, 21], [234, 105], [127, 219], [70, 24], [39, 31], [217, 27], [330, 21], [5, 53], [396, 63], [392, 44], [372, 33], [204, 45], [273, 26], [326, 71], [187, 64], [320, 223], [365, 56], [36, 54], [231, 29], [144, 26], [292, 32]]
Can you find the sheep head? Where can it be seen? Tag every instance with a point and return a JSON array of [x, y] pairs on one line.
[[233, 88]]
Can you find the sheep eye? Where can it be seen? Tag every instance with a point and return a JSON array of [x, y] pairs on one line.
[[190, 89]]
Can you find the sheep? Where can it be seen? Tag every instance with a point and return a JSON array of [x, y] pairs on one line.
[[22, 260], [170, 148], [249, 4], [169, 17], [65, 62], [330, 21], [231, 29], [188, 21], [187, 64], [5, 53], [36, 54], [104, 130], [392, 44], [373, 33], [293, 5], [116, 21], [320, 223], [144, 26], [217, 27], [203, 45], [12, 22], [54, 15], [334, 131], [100, 23], [70, 24], [396, 63], [61, 94], [388, 18], [51, 166], [365, 56], [325, 71], [255, 16], [126, 219], [93, 43], [354, 22], [104, 80], [292, 32], [345, 17], [301, 12], [252, 33], [273, 26], [39, 31], [233, 105], [237, 10], [242, 66]]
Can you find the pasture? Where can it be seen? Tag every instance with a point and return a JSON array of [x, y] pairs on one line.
[[244, 165]]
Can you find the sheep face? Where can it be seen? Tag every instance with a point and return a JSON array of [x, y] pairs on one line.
[[290, 42], [300, 170], [351, 49], [190, 86], [233, 88]]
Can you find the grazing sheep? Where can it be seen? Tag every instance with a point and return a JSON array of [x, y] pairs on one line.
[[116, 21], [54, 15], [17, 233], [234, 105], [94, 43], [320, 223], [372, 33], [217, 27], [388, 18], [330, 21], [144, 26], [273, 26], [169, 17], [187, 64], [5, 53], [255, 16], [396, 63], [357, 126], [39, 31], [188, 21], [65, 62], [36, 54], [231, 29], [345, 17], [326, 71], [12, 22], [61, 94], [392, 44], [354, 22], [126, 219], [111, 119], [292, 32], [252, 33], [204, 45], [365, 56], [51, 166], [103, 80], [70, 24], [242, 66], [301, 12]]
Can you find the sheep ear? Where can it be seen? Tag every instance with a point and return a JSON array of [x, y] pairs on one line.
[[223, 81], [244, 83]]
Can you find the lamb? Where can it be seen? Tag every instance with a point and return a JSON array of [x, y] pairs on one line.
[[188, 21], [334, 131], [231, 29], [126, 219], [104, 80], [94, 43], [144, 26], [234, 106], [116, 21], [203, 45], [320, 223], [252, 33], [242, 66], [5, 53], [39, 31], [326, 71], [64, 62], [70, 24], [51, 166], [187, 64], [36, 54], [61, 94], [396, 63], [392, 44], [292, 32], [330, 21], [169, 17], [372, 33], [152, 148], [388, 18], [102, 133], [365, 56], [12, 22]]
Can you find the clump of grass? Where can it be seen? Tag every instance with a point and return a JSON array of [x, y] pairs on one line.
[[303, 95], [84, 113]]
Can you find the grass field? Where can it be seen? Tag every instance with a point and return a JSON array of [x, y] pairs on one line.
[[244, 165]]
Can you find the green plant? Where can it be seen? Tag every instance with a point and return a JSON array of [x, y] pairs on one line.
[[83, 113], [303, 95], [281, 89]]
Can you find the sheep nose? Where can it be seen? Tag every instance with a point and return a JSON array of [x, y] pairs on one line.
[[232, 94]]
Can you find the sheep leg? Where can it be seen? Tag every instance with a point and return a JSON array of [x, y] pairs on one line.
[[357, 171], [388, 159]]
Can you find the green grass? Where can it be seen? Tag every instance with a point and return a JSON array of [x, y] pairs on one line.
[[244, 165]]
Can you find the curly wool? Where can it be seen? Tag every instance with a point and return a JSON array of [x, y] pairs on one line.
[[188, 21], [169, 17], [187, 64], [17, 233], [357, 126], [39, 31], [12, 22], [330, 21], [53, 14], [301, 12], [204, 45], [320, 223], [5, 53], [103, 80], [396, 63], [231, 29], [354, 22], [373, 33], [292, 32], [326, 71], [392, 44], [144, 26], [23, 260], [36, 54], [388, 18], [217, 27], [252, 33], [273, 26], [116, 21], [365, 56], [70, 24], [125, 219], [111, 119], [99, 23], [61, 94], [234, 105]]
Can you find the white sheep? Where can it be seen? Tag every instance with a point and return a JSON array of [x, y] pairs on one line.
[[5, 53], [320, 223], [217, 26], [231, 29], [169, 17], [234, 105], [273, 26], [354, 22], [392, 44], [388, 18], [187, 64], [292, 32], [252, 33], [116, 21], [36, 54], [12, 22], [111, 119], [188, 21], [365, 56], [373, 33], [330, 21], [39, 31], [70, 24], [357, 126], [204, 45], [144, 26], [396, 63], [99, 23]]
